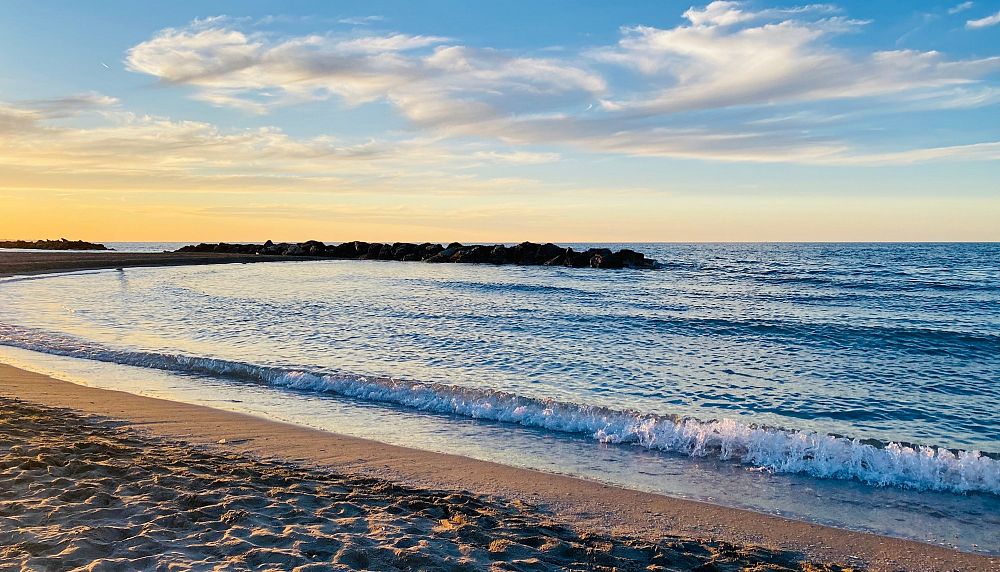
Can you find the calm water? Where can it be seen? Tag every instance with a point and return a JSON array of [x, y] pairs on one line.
[[866, 374]]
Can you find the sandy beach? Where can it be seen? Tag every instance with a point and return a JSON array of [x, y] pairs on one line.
[[106, 480]]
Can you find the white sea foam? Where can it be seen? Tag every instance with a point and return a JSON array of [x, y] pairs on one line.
[[780, 450]]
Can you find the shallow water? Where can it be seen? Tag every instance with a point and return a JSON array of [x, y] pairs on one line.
[[887, 343]]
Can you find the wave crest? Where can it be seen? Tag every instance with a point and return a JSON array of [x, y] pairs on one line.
[[781, 450]]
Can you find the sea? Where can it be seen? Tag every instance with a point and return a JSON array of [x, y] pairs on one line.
[[855, 385]]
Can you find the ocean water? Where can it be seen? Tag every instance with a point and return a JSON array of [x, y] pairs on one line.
[[850, 384]]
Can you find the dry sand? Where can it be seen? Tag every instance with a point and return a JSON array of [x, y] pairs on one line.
[[124, 481]]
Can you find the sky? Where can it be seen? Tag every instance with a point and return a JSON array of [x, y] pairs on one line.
[[572, 121]]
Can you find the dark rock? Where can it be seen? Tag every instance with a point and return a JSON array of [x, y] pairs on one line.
[[426, 251], [601, 258], [447, 254], [400, 250], [474, 254], [385, 253], [196, 248], [313, 248], [349, 249], [523, 253], [500, 255], [373, 250], [635, 260], [548, 252]]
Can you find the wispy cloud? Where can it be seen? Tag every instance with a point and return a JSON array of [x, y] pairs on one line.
[[27, 116], [70, 105], [959, 8], [361, 20], [976, 152], [121, 150], [986, 22]]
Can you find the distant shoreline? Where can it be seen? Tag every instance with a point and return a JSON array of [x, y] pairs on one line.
[[61, 244], [32, 263]]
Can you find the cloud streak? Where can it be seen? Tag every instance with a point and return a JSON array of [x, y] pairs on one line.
[[959, 8], [361, 20], [119, 150], [991, 20]]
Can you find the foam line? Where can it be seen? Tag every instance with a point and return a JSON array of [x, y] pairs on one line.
[[826, 456]]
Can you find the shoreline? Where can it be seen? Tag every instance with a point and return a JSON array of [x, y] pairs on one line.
[[588, 506], [53, 262]]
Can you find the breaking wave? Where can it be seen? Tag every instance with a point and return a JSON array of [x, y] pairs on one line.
[[821, 455]]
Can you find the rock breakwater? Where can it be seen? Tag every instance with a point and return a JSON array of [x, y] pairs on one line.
[[523, 254]]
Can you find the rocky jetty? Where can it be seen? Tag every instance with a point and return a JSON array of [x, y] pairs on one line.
[[61, 244], [524, 254]]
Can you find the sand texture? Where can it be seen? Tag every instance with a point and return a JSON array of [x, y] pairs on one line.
[[77, 492]]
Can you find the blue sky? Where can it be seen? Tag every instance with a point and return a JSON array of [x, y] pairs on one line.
[[492, 121]]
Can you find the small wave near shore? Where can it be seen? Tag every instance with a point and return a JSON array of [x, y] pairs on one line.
[[921, 467]]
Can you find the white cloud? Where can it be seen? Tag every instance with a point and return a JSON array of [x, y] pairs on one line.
[[986, 22], [422, 75], [196, 55], [361, 20], [17, 120], [976, 152], [717, 14], [26, 116], [70, 105], [516, 157], [959, 8], [710, 67], [728, 13], [393, 43]]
